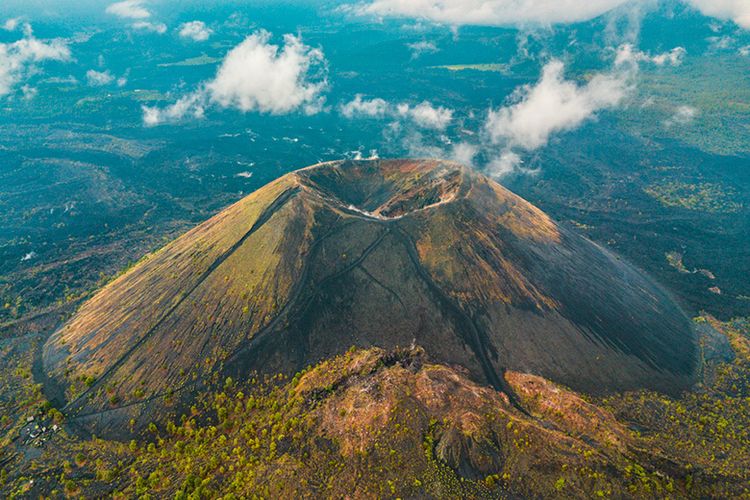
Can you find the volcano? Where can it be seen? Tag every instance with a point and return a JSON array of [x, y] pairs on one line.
[[368, 253]]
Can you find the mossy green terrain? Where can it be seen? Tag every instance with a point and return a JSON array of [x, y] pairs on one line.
[[703, 196], [718, 117], [493, 67]]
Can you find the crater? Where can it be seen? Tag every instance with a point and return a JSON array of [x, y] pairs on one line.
[[387, 189]]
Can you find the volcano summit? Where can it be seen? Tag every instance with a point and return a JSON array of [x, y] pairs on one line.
[[368, 253]]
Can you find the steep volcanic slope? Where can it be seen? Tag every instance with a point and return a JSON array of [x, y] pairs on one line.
[[368, 253]]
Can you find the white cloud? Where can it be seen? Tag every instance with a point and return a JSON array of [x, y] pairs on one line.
[[464, 153], [189, 105], [11, 24], [158, 28], [508, 162], [257, 75], [359, 155], [99, 78], [720, 42], [153, 116], [745, 51], [492, 12], [96, 78], [28, 256], [373, 108], [29, 92], [195, 30], [552, 105], [683, 115], [549, 106], [423, 47], [136, 10], [129, 9], [18, 60], [628, 54], [736, 10], [424, 114], [674, 57], [59, 80], [526, 12]]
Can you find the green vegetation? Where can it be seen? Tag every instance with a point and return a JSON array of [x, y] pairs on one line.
[[371, 423], [674, 259], [703, 196], [94, 103], [201, 60], [714, 87], [492, 67], [704, 434]]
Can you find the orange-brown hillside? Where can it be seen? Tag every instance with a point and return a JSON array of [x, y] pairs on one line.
[[367, 253]]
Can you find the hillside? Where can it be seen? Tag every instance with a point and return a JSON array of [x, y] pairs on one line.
[[395, 424], [366, 253]]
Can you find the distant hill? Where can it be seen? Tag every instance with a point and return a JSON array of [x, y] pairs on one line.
[[367, 253]]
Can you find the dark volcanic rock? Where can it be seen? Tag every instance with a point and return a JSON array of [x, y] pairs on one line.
[[369, 253]]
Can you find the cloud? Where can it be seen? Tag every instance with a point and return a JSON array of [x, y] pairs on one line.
[[29, 92], [423, 47], [189, 105], [359, 155], [744, 51], [508, 162], [137, 11], [552, 105], [736, 10], [99, 78], [683, 115], [195, 30], [129, 9], [627, 54], [360, 107], [674, 57], [19, 60], [424, 115], [464, 153], [11, 24], [532, 12], [257, 76], [158, 28], [28, 256], [59, 80], [720, 42], [492, 12]]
